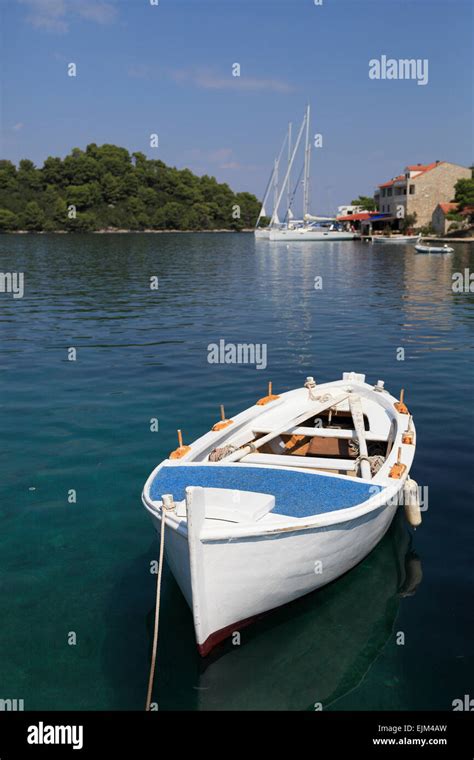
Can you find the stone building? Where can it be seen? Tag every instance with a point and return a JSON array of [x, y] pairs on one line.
[[441, 222], [419, 190], [439, 219]]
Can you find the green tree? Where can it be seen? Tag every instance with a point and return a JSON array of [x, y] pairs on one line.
[[8, 220], [28, 176], [408, 222], [84, 222], [8, 176], [80, 168], [464, 193], [110, 188], [366, 202], [83, 196], [33, 217], [53, 171]]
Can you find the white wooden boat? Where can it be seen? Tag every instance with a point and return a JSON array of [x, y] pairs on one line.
[[432, 248], [403, 239], [282, 499], [329, 643]]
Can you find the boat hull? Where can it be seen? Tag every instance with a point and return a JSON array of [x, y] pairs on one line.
[[230, 583], [394, 239], [426, 249], [309, 235]]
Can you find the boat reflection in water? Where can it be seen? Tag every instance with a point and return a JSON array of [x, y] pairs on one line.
[[317, 648]]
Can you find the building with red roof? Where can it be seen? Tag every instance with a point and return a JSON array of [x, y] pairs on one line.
[[419, 191], [443, 214]]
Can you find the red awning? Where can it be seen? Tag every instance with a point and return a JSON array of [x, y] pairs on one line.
[[355, 217], [366, 216]]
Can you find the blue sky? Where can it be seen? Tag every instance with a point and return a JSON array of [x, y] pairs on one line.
[[167, 69]]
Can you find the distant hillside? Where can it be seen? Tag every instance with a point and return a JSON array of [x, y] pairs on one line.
[[106, 187]]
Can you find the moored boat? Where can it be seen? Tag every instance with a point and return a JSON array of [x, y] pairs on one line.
[[323, 231], [282, 499], [329, 639], [402, 239], [309, 228], [432, 248]]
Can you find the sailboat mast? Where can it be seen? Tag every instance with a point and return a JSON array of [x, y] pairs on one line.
[[275, 183], [272, 182], [290, 166], [288, 187], [307, 158]]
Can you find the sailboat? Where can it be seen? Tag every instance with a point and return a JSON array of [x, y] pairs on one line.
[[309, 227]]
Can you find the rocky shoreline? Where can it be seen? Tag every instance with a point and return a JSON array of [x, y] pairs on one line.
[[113, 231]]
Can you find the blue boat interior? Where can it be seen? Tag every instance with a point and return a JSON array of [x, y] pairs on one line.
[[297, 494]]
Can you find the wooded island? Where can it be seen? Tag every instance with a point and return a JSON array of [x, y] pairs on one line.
[[106, 188]]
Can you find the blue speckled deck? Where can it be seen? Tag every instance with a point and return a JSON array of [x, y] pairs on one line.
[[297, 494]]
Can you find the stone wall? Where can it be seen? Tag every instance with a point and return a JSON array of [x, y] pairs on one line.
[[438, 221], [433, 187]]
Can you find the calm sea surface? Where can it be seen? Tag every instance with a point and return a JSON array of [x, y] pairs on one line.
[[83, 568]]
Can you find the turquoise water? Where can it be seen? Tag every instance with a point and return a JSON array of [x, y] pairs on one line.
[[85, 425]]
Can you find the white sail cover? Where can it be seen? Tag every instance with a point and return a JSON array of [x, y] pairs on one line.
[[311, 218]]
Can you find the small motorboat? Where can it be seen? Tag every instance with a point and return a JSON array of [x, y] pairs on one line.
[[432, 248], [282, 499], [403, 239]]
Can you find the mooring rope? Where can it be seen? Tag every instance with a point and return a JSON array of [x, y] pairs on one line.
[[167, 505]]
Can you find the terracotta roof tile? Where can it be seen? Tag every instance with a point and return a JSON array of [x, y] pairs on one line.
[[448, 207], [392, 181], [424, 167]]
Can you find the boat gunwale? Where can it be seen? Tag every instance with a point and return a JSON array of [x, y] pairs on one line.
[[388, 487], [211, 438], [282, 524]]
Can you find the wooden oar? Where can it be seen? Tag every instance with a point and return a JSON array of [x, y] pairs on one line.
[[358, 418], [291, 422]]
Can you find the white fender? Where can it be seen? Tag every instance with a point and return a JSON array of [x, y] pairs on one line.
[[411, 501]]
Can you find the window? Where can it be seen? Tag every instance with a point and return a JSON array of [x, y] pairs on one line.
[[404, 191], [383, 192], [412, 189], [389, 191]]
